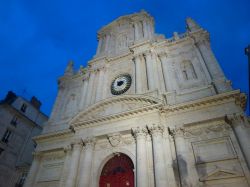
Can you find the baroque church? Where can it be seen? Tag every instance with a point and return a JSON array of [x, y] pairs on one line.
[[147, 111]]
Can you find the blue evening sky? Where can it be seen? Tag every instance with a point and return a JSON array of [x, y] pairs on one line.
[[38, 38]]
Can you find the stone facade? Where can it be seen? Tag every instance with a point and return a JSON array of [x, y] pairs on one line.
[[20, 121], [163, 102]]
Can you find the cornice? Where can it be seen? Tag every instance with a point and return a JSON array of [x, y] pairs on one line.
[[54, 135], [236, 96], [139, 98], [122, 115]]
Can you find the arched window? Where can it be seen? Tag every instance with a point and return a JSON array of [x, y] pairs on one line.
[[187, 70]]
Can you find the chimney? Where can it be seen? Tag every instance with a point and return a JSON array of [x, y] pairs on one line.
[[35, 102], [10, 97]]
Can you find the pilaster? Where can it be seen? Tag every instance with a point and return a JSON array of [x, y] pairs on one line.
[[67, 150], [140, 134], [241, 130], [86, 156], [31, 178], [160, 169], [74, 162]]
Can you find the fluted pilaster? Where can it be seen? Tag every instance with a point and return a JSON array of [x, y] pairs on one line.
[[99, 88], [141, 74], [31, 178], [160, 168], [241, 130], [90, 88], [186, 163], [140, 134], [168, 72], [86, 157], [74, 162], [67, 150]]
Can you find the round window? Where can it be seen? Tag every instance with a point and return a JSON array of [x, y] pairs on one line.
[[121, 84]]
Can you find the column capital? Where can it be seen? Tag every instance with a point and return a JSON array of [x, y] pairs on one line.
[[77, 143], [89, 142], [177, 132], [140, 132], [155, 129], [86, 76], [67, 148], [236, 119], [162, 54]]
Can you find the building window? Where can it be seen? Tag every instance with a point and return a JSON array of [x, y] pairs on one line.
[[6, 136], [14, 121], [24, 107]]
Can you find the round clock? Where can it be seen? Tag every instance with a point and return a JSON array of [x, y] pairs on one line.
[[121, 84]]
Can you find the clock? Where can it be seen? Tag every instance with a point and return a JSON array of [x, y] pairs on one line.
[[121, 84]]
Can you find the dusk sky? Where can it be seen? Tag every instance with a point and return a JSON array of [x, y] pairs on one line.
[[39, 37]]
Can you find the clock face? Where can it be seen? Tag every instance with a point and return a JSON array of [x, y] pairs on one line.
[[121, 84]]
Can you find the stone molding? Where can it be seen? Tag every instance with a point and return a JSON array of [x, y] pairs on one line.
[[140, 132], [208, 101], [89, 142], [155, 129], [115, 139], [156, 104], [201, 129], [237, 119], [67, 148]]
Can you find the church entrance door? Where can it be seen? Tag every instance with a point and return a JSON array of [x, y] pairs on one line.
[[118, 172]]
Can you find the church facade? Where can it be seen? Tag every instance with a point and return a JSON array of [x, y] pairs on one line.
[[148, 111]]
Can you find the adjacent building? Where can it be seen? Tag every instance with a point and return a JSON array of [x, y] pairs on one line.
[[20, 121], [147, 111]]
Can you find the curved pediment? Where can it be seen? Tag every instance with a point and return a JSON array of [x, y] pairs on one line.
[[114, 106]]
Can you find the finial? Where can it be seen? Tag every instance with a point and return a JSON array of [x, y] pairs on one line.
[[82, 70], [191, 25], [69, 69]]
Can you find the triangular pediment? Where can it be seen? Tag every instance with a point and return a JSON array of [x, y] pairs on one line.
[[220, 174], [115, 106]]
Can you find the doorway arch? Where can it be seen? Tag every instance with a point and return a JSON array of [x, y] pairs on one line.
[[117, 172]]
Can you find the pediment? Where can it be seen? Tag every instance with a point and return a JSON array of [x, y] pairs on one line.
[[220, 174], [115, 106]]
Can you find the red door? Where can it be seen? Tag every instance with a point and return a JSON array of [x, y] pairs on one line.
[[118, 172]]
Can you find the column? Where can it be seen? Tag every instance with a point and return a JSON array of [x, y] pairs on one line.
[[99, 89], [107, 42], [213, 66], [158, 155], [168, 73], [85, 168], [159, 73], [145, 28], [90, 88], [141, 74], [241, 130], [185, 159], [31, 178], [84, 91], [169, 158], [94, 88], [99, 45], [137, 34], [150, 74], [74, 162], [67, 151], [56, 106], [140, 134]]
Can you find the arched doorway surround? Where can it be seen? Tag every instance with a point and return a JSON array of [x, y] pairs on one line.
[[118, 172]]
